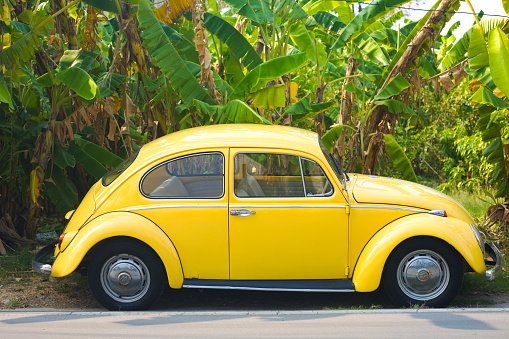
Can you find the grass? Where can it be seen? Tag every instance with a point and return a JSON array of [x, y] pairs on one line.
[[476, 203], [15, 264], [13, 304]]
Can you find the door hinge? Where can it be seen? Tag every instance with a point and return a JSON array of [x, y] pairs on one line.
[[347, 271], [348, 209]]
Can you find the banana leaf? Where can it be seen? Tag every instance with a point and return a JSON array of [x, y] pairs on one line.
[[329, 21], [4, 95], [91, 165], [61, 191], [238, 45], [333, 134], [313, 7], [235, 111], [100, 154], [256, 10], [304, 106], [498, 46], [104, 5], [269, 70], [289, 10], [63, 159], [399, 158], [486, 97], [397, 107], [79, 81], [163, 54], [305, 42], [404, 44], [370, 48], [394, 87], [368, 16], [477, 51]]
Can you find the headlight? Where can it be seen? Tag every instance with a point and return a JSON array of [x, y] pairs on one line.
[[479, 236]]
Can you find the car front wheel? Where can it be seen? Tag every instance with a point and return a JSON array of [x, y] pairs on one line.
[[126, 276], [423, 271]]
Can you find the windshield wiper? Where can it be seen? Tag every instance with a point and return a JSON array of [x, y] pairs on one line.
[[338, 166]]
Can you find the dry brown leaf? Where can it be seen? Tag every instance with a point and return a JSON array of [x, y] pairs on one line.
[[458, 72], [61, 134], [415, 80], [69, 130], [447, 82], [130, 111], [112, 129], [436, 87]]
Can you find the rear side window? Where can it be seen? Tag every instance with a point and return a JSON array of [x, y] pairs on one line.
[[194, 176], [109, 177]]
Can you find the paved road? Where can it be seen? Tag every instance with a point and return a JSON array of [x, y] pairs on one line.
[[441, 323]]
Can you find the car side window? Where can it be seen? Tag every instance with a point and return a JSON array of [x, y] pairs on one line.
[[194, 176], [267, 175], [278, 175], [315, 179]]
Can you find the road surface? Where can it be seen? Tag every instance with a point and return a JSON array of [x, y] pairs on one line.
[[399, 323]]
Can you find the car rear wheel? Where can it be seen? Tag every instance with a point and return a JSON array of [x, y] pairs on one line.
[[126, 275], [423, 271]]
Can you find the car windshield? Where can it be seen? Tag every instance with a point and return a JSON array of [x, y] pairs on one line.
[[115, 172], [333, 162]]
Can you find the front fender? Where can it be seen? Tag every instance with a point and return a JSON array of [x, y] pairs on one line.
[[369, 267], [118, 224]]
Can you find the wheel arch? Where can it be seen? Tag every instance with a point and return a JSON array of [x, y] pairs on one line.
[[114, 226], [370, 264]]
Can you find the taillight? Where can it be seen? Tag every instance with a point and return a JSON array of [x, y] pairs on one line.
[[60, 240]]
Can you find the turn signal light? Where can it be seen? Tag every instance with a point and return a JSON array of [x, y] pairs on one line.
[[60, 240], [440, 213]]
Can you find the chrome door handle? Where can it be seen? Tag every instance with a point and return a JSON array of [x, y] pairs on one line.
[[242, 212]]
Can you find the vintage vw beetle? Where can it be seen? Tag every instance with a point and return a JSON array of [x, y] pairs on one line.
[[263, 208]]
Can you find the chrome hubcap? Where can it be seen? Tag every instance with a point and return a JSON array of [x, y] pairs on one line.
[[125, 278], [423, 275]]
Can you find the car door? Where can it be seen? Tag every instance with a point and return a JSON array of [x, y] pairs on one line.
[[287, 219], [186, 196]]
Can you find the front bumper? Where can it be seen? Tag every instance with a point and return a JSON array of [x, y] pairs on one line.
[[496, 261], [43, 260]]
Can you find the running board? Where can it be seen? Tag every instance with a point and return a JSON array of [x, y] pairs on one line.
[[322, 285]]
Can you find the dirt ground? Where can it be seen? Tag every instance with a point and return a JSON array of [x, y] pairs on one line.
[[32, 290], [35, 291]]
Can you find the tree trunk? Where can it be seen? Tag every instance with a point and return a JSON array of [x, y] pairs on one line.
[[381, 121], [345, 113]]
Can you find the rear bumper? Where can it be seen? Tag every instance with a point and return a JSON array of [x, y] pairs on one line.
[[43, 260], [496, 261]]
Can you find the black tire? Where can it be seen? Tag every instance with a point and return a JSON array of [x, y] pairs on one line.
[[423, 271], [126, 275]]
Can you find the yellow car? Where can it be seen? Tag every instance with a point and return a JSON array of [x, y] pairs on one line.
[[256, 207]]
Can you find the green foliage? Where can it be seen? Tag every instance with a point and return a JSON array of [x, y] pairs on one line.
[[399, 158], [266, 72], [79, 81], [367, 17], [394, 87], [238, 45], [499, 59], [164, 55], [105, 5]]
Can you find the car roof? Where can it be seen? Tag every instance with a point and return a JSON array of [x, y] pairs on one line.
[[232, 135]]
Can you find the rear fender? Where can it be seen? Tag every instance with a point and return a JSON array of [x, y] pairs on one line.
[[120, 224], [369, 267]]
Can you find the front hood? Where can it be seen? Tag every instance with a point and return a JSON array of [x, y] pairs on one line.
[[379, 190]]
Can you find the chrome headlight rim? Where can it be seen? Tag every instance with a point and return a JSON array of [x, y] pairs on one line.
[[480, 236]]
